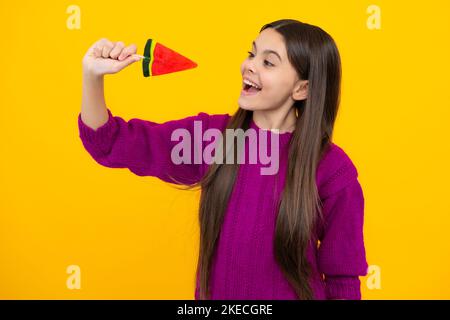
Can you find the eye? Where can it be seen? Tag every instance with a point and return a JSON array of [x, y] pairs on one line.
[[250, 55]]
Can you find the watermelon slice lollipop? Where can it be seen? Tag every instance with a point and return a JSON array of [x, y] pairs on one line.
[[158, 60]]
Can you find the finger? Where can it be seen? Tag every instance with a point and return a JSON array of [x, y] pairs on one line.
[[106, 50], [118, 47], [127, 51], [95, 49], [97, 52], [100, 44], [104, 41], [127, 61]]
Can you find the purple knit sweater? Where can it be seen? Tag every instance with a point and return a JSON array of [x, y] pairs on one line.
[[244, 265]]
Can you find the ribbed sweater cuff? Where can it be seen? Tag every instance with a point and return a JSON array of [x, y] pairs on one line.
[[347, 288], [100, 137]]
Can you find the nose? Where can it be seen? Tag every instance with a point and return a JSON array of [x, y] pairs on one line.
[[249, 67]]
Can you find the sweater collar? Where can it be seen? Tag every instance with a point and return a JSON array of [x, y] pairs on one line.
[[283, 137]]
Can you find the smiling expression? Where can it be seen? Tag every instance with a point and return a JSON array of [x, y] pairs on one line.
[[268, 66]]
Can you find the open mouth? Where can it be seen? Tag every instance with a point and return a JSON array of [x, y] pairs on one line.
[[249, 88]]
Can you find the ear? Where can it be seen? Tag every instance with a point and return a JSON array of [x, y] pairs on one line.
[[300, 90]]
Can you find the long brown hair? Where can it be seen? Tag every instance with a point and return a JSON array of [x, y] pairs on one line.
[[315, 57]]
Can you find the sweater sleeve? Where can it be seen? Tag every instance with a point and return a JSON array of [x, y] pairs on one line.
[[144, 147], [341, 254]]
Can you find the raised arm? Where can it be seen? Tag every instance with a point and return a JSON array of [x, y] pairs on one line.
[[103, 57]]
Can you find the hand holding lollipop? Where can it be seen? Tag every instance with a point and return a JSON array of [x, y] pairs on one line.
[[107, 57]]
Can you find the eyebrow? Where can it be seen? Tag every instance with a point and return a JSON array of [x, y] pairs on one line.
[[268, 51]]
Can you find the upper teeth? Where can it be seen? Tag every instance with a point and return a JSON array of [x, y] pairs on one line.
[[251, 84]]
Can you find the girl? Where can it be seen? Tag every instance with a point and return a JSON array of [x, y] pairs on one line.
[[296, 234]]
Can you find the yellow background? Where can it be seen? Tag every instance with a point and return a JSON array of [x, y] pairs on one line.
[[137, 237]]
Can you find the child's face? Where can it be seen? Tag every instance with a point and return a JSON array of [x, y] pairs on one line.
[[275, 75]]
